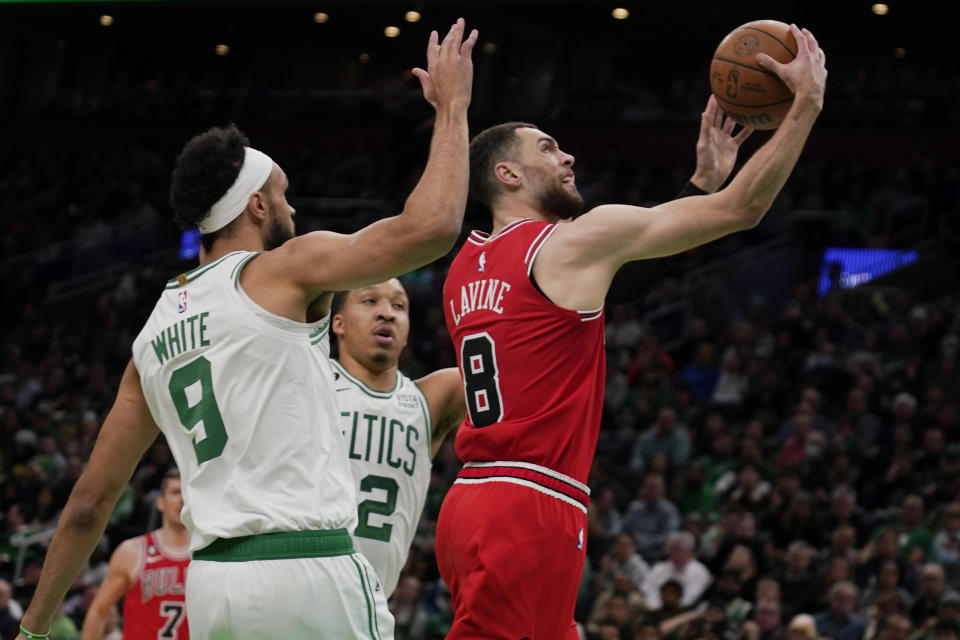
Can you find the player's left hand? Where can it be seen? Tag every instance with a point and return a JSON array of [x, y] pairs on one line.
[[717, 147]]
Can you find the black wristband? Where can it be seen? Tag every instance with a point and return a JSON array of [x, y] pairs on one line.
[[690, 189]]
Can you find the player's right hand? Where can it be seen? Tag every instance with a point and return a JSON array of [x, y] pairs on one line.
[[805, 75], [448, 79]]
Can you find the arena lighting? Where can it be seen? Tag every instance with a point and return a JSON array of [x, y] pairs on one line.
[[880, 9], [412, 16], [850, 268], [620, 13], [391, 31], [320, 17], [105, 20], [222, 49]]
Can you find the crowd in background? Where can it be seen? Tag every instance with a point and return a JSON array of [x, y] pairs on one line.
[[803, 458]]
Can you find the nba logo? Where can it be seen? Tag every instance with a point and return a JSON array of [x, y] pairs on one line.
[[580, 539], [483, 262], [182, 301]]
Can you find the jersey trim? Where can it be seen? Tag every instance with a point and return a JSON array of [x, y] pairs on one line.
[[383, 395], [235, 276], [524, 483], [481, 237], [425, 406], [537, 245], [587, 316], [165, 550], [196, 272], [556, 475]]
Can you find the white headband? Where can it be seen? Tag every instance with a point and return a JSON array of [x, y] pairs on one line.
[[253, 175]]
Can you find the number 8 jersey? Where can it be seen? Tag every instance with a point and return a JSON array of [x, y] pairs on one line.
[[533, 372], [234, 388]]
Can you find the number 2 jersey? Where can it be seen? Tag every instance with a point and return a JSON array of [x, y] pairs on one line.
[[533, 372], [154, 606], [388, 440], [245, 399]]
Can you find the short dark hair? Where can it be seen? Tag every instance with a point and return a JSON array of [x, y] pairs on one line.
[[172, 474], [207, 166], [339, 299], [490, 146]]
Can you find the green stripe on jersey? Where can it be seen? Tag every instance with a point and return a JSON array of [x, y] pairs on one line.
[[196, 272]]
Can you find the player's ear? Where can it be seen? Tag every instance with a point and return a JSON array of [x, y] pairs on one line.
[[160, 503], [257, 206], [336, 324], [508, 174]]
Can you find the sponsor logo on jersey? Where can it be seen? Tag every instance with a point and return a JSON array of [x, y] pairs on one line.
[[408, 401], [182, 302]]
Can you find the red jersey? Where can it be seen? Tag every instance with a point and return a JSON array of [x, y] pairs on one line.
[[533, 372], [154, 605]]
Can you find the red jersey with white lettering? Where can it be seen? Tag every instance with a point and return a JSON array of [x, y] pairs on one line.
[[154, 605], [533, 372]]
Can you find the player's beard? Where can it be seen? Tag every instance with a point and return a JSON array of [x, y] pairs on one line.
[[555, 199], [276, 233]]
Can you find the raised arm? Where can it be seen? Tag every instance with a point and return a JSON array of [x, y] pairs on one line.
[[432, 216], [576, 265], [717, 149], [126, 433], [444, 392], [123, 567]]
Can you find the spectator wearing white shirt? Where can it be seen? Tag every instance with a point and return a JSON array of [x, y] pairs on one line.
[[680, 566]]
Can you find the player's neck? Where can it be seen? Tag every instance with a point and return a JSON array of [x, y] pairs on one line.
[[174, 538], [379, 380], [246, 238]]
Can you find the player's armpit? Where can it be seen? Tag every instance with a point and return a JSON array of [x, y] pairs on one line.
[[444, 392], [126, 433], [123, 567]]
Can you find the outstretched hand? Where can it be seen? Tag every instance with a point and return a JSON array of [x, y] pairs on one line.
[[717, 147], [806, 74], [448, 79]]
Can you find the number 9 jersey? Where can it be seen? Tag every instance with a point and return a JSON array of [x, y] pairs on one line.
[[234, 388], [533, 372]]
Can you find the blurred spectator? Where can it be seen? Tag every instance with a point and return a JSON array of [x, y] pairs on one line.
[[10, 611], [651, 518], [623, 558], [665, 436], [409, 615], [839, 622], [680, 566]]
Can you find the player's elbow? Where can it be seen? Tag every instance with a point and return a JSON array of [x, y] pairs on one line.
[[751, 215]]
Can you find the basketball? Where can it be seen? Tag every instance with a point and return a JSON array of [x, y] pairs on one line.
[[747, 92]]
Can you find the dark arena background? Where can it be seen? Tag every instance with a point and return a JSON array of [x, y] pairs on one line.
[[788, 396]]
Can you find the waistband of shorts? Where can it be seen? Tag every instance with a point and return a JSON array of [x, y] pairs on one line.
[[527, 474], [280, 545]]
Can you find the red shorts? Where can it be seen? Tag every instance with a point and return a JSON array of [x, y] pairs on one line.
[[513, 557]]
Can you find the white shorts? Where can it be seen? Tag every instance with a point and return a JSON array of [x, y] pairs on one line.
[[329, 598]]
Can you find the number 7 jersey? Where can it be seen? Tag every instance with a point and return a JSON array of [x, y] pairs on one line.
[[533, 372], [245, 399]]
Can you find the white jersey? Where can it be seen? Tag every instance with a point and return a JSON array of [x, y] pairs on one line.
[[388, 438], [234, 388]]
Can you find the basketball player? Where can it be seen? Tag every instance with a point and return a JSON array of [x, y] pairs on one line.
[[149, 572], [524, 307], [393, 426], [228, 367]]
